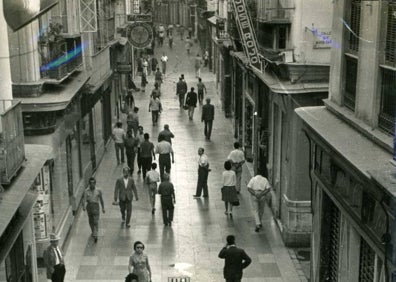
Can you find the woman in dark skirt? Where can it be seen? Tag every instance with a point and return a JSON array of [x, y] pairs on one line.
[[228, 192]]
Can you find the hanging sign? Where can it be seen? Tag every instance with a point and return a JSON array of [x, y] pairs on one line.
[[247, 33], [140, 35]]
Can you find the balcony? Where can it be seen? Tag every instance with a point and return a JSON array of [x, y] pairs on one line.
[[274, 12], [101, 67], [12, 142], [60, 58]]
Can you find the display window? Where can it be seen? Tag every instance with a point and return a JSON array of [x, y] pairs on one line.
[[248, 136], [85, 142], [75, 157], [41, 210], [98, 126], [60, 191]]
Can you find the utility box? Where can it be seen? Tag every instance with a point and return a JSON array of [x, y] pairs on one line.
[[12, 142]]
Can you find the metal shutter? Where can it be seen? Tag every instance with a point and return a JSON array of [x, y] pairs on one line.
[[354, 25], [367, 259]]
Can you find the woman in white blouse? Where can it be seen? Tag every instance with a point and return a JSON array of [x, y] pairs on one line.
[[228, 192]]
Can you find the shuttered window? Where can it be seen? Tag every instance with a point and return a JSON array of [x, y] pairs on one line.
[[390, 46], [367, 260], [386, 118], [351, 65], [354, 24], [330, 240]]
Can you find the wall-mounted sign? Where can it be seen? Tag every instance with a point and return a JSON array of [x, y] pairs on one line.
[[322, 38], [220, 28], [246, 32], [140, 18], [140, 35]]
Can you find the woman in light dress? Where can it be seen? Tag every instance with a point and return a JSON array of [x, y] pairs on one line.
[[228, 191], [139, 264]]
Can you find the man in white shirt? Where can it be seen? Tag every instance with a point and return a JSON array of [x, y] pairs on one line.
[[258, 187], [152, 179], [164, 59], [237, 157], [119, 138], [203, 171], [165, 151]]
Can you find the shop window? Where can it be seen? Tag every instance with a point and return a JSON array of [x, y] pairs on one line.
[[60, 189], [366, 265], [98, 125], [75, 157], [386, 117], [351, 67], [330, 240], [354, 24], [248, 132], [85, 143]]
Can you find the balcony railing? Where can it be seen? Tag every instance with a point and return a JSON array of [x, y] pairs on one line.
[[12, 142], [101, 68], [274, 11]]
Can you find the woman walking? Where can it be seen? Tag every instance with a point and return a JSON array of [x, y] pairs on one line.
[[228, 192], [139, 263]]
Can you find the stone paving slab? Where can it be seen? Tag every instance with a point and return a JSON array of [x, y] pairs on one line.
[[190, 247]]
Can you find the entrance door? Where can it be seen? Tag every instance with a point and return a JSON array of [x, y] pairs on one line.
[[14, 263]]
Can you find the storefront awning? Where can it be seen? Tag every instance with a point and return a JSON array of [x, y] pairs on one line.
[[351, 146], [15, 194], [58, 97]]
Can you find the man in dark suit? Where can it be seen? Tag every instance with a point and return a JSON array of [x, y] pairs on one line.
[[181, 90], [208, 112], [191, 102], [53, 260], [124, 190], [235, 260]]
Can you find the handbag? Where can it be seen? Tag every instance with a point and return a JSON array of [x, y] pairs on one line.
[[235, 204]]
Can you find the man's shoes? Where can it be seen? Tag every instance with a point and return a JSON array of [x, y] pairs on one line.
[[153, 211], [122, 220], [127, 225], [257, 229], [226, 212], [166, 224], [139, 171], [196, 196], [95, 239], [205, 196], [238, 192]]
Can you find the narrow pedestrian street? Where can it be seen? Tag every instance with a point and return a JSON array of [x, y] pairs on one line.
[[190, 247]]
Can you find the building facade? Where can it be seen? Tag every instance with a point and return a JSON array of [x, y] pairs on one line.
[[351, 148], [295, 54]]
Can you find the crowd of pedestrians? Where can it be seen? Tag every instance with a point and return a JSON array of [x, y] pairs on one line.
[[134, 144]]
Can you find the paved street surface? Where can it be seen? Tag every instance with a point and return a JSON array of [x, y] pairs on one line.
[[191, 245]]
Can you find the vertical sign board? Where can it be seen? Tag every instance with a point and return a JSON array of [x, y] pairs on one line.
[[247, 33]]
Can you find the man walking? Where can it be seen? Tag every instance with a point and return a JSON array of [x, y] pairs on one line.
[[53, 260], [133, 120], [191, 102], [124, 190], [146, 154], [258, 187], [131, 147], [158, 77], [91, 200], [203, 172], [236, 260], [165, 151], [208, 111], [198, 64], [181, 90], [119, 137], [155, 108], [201, 90], [237, 157], [164, 60], [140, 138], [167, 192], [166, 134], [152, 178]]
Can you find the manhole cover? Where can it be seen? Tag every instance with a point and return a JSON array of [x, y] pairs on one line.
[[179, 279]]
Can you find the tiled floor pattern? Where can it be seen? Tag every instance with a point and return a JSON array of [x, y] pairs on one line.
[[190, 247]]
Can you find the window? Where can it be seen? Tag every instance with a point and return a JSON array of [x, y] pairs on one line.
[[351, 65], [390, 45], [106, 24], [386, 118], [354, 24], [366, 266], [59, 15]]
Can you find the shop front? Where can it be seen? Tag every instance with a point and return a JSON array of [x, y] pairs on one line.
[[23, 221]]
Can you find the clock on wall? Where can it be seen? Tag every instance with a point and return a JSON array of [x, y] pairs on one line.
[[140, 35]]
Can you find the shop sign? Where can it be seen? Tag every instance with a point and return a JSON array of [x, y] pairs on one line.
[[139, 18], [220, 28], [247, 33], [322, 38], [140, 35]]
